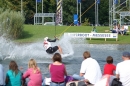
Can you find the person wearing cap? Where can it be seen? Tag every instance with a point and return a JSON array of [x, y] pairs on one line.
[[123, 70], [47, 45]]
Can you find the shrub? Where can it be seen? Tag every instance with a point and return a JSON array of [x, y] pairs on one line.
[[11, 24], [86, 22]]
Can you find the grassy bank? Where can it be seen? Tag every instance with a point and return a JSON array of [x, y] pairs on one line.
[[33, 33]]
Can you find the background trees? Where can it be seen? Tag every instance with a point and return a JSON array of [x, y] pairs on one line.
[[69, 9]]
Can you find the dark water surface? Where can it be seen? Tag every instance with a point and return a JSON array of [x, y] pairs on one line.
[[98, 52]]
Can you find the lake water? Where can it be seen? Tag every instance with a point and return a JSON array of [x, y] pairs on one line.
[[22, 53]]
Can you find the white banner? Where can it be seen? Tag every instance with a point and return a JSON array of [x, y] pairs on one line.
[[92, 35]]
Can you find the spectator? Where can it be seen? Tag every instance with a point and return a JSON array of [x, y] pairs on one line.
[[123, 30], [57, 71], [90, 70], [1, 75], [13, 75], [126, 28], [33, 73], [94, 30], [109, 67], [123, 70]]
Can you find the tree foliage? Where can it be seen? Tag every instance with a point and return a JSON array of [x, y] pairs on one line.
[[69, 9]]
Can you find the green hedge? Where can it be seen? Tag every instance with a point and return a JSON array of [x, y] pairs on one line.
[[11, 23]]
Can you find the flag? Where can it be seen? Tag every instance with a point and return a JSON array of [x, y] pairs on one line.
[[98, 1], [75, 19], [115, 1], [79, 1], [38, 0]]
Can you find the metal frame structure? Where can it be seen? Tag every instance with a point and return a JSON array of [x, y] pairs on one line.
[[115, 10], [123, 15], [56, 17], [37, 17]]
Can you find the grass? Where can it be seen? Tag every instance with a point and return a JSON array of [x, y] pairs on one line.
[[33, 33]]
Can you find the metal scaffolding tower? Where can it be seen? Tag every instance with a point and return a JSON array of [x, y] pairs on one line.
[[116, 12]]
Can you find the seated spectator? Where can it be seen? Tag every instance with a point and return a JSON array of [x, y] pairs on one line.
[[90, 70], [1, 75], [123, 70], [115, 29], [122, 30], [109, 67], [33, 73], [13, 75], [126, 28], [57, 71], [94, 30]]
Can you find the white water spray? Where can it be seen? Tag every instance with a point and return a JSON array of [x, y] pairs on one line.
[[10, 50]]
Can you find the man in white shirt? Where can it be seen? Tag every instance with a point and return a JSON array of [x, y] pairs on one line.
[[123, 70], [1, 75], [90, 70]]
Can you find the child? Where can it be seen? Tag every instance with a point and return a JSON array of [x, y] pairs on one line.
[[13, 75], [109, 67], [33, 73]]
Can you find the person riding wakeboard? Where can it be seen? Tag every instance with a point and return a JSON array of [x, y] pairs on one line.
[[47, 45]]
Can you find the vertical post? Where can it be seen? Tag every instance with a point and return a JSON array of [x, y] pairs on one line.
[[36, 11], [120, 19], [62, 12], [42, 13], [113, 10], [77, 7], [97, 13], [21, 6], [80, 12], [109, 13], [129, 5], [42, 6]]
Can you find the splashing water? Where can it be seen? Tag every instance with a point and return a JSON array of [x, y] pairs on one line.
[[10, 50]]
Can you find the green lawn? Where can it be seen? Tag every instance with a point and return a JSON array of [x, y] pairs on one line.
[[33, 33]]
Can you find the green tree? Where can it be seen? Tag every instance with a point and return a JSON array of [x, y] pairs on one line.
[[69, 9], [104, 12]]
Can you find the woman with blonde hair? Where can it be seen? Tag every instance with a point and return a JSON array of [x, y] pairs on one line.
[[13, 75], [33, 73]]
